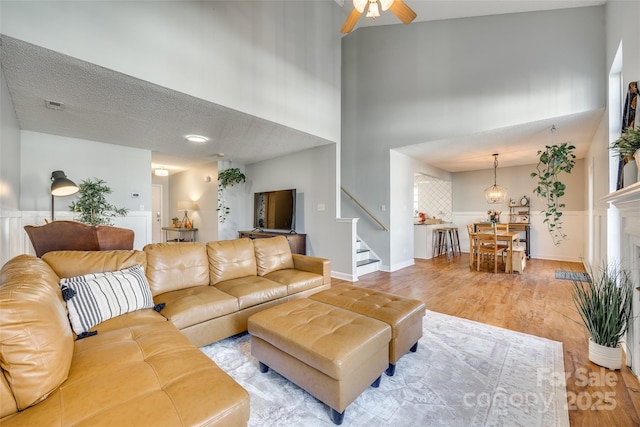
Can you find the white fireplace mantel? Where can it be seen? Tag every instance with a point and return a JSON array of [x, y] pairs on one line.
[[628, 197]]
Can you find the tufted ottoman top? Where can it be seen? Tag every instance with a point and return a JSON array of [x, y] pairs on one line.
[[391, 309], [330, 339]]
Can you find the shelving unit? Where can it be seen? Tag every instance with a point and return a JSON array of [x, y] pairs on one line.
[[519, 220]]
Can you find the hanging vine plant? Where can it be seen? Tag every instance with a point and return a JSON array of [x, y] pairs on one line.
[[553, 160], [227, 178]]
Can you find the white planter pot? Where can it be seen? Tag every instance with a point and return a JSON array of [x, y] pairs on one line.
[[630, 173], [608, 357]]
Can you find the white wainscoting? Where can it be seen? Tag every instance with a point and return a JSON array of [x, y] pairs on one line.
[[542, 247]]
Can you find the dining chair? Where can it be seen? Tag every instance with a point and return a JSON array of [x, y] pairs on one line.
[[487, 247], [502, 227], [484, 227], [472, 244]]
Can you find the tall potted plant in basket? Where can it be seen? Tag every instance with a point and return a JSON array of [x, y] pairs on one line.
[[604, 304]]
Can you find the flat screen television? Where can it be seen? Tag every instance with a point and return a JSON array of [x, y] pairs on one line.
[[275, 210]]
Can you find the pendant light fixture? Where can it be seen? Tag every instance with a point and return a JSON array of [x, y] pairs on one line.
[[496, 193]]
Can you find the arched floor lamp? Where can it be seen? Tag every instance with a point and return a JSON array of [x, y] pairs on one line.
[[61, 186]]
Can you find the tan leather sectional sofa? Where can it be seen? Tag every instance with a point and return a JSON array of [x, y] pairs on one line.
[[142, 367]]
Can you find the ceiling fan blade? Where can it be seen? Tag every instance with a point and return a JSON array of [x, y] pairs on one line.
[[351, 21], [402, 11]]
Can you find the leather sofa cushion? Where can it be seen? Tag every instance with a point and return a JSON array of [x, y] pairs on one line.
[[144, 375], [231, 259], [173, 266], [134, 318], [296, 280], [77, 263], [187, 307], [36, 342], [273, 253], [252, 290]]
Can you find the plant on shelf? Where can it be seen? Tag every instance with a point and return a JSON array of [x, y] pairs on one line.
[[628, 144], [176, 222], [604, 304], [227, 178], [92, 204], [552, 161]]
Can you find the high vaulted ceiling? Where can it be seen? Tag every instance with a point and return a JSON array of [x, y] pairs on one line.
[[107, 106]]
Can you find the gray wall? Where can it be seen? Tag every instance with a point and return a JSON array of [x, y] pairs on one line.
[[468, 188], [125, 170], [404, 85], [9, 176], [313, 174]]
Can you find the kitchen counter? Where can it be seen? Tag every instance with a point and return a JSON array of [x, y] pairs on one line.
[[423, 239]]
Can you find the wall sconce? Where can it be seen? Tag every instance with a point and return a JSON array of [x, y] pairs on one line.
[[61, 186]]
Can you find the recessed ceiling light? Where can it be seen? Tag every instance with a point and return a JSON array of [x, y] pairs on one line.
[[199, 139], [162, 172]]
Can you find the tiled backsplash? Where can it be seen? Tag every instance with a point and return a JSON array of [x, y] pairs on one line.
[[432, 196]]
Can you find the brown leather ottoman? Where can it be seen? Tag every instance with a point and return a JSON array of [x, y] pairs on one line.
[[332, 353], [404, 315]]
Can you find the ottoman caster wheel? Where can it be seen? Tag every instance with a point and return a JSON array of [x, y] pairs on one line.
[[263, 368], [336, 417], [414, 348], [376, 383]]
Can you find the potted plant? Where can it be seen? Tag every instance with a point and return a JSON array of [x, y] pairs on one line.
[[628, 148], [604, 304], [92, 204], [628, 144], [227, 178], [553, 160], [176, 222]]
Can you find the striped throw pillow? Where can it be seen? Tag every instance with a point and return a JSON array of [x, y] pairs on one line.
[[96, 297]]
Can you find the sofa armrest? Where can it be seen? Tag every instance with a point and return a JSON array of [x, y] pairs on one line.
[[312, 264]]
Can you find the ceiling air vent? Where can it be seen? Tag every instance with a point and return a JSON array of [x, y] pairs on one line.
[[53, 105]]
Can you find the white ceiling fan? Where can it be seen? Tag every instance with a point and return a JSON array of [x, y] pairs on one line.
[[398, 7]]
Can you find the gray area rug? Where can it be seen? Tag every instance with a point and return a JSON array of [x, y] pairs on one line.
[[577, 276], [464, 374]]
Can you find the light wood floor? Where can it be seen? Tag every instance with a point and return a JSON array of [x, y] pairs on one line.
[[534, 303]]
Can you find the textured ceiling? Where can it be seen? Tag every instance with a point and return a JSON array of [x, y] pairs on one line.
[[107, 106]]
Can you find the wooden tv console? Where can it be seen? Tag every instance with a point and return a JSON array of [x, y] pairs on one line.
[[297, 242]]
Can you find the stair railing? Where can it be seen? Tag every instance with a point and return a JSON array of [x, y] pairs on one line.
[[367, 211]]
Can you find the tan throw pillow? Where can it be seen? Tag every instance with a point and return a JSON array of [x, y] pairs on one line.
[[272, 254], [36, 342]]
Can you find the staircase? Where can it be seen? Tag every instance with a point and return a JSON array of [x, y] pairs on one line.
[[365, 262]]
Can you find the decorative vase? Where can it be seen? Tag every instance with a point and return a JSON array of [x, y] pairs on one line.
[[630, 172], [608, 357]]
